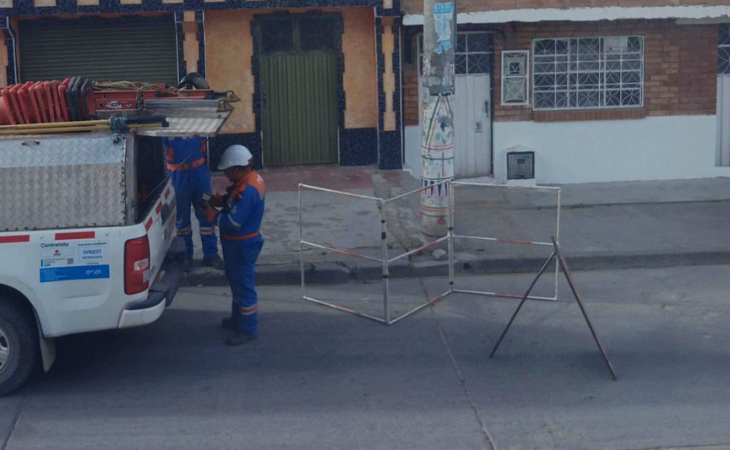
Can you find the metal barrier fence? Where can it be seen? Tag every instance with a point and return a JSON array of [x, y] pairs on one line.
[[386, 260], [545, 242]]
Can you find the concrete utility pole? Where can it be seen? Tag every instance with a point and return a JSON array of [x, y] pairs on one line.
[[437, 121]]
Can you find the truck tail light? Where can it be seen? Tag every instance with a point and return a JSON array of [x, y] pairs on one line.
[[136, 265]]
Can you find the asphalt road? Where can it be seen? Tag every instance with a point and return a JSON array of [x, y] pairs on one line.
[[321, 379]]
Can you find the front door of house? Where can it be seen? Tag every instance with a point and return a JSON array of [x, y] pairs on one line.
[[298, 76], [722, 153], [471, 105]]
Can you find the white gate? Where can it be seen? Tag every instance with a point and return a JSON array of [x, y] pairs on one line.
[[722, 154], [471, 105], [722, 141], [473, 126]]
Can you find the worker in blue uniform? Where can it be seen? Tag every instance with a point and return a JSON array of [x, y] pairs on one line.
[[188, 167], [239, 222]]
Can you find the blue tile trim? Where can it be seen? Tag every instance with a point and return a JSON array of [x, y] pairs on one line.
[[9, 44], [358, 146], [390, 154], [27, 8], [395, 11], [255, 69], [201, 42], [390, 146], [395, 160], [220, 143], [181, 66], [200, 36]]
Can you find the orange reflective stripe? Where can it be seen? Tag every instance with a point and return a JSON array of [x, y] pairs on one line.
[[197, 163], [244, 237], [185, 166], [248, 311]]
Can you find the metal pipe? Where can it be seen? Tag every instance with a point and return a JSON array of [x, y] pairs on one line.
[[33, 126], [421, 248], [452, 202], [201, 103], [398, 197], [566, 271], [9, 27], [419, 308], [386, 264], [301, 246], [343, 309], [503, 295], [341, 252], [522, 302], [503, 241], [331, 191], [557, 240], [505, 186]]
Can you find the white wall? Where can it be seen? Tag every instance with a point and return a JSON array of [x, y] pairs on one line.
[[655, 148], [412, 147]]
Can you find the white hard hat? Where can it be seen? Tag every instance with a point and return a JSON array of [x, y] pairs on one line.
[[235, 155]]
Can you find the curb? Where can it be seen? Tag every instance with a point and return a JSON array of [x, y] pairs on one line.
[[339, 272]]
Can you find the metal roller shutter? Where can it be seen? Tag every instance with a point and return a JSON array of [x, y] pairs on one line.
[[119, 49]]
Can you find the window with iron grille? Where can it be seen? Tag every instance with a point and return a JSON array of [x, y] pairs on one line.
[[588, 73], [297, 34], [515, 77], [471, 55], [723, 50]]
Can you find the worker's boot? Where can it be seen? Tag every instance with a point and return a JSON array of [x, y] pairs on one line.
[[215, 262], [240, 338], [228, 323]]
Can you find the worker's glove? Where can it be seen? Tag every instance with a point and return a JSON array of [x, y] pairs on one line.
[[209, 213]]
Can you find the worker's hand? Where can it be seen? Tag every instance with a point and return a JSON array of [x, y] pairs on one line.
[[209, 213], [217, 200]]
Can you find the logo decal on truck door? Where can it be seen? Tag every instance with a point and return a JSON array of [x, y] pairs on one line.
[[63, 261]]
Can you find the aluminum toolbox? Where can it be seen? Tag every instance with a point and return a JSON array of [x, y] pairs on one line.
[[63, 181], [78, 180]]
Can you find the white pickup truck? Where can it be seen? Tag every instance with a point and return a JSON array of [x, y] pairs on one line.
[[86, 224]]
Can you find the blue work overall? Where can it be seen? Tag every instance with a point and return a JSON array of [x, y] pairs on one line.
[[239, 222], [188, 168]]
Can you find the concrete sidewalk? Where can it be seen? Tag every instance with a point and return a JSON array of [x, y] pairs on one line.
[[603, 225]]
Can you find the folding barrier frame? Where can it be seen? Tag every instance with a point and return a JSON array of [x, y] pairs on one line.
[[545, 243], [556, 256], [385, 259]]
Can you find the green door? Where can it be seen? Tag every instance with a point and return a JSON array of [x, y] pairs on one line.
[[298, 75]]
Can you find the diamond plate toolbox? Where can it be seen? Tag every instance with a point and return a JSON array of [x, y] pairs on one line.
[[62, 181]]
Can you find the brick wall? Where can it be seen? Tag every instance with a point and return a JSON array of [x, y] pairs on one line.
[[411, 108], [416, 6], [679, 68], [680, 74]]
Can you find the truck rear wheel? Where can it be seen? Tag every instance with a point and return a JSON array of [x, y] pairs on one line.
[[18, 346]]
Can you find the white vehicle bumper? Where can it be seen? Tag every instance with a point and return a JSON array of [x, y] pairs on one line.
[[139, 317], [161, 294]]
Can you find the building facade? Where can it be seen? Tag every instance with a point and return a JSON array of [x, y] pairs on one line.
[[319, 81], [602, 90], [599, 90]]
